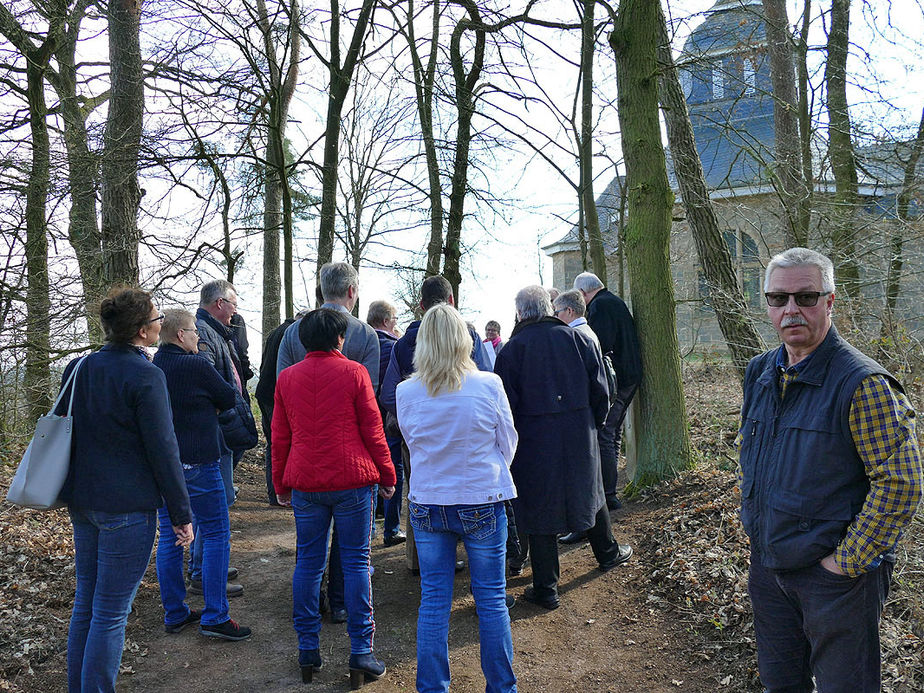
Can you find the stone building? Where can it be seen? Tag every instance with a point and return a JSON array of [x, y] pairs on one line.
[[725, 72]]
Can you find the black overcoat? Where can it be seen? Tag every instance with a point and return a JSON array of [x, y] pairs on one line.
[[554, 379]]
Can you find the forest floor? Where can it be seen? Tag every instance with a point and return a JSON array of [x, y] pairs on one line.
[[675, 618]]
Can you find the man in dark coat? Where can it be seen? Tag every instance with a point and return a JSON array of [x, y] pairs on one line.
[[266, 390], [556, 385], [609, 317]]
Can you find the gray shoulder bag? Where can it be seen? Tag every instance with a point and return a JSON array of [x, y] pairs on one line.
[[43, 470]]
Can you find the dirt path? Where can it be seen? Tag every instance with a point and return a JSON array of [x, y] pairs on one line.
[[605, 636]]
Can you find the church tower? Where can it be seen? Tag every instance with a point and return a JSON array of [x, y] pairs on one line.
[[725, 71]]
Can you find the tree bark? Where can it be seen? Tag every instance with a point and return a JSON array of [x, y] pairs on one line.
[[664, 439], [465, 82], [729, 303], [805, 116], [840, 149], [37, 380], [586, 155], [121, 195], [787, 176], [341, 76]]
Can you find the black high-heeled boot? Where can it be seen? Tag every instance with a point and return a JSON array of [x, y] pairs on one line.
[[310, 662], [364, 667]]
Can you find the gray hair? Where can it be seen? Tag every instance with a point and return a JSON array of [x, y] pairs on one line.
[[213, 290], [587, 281], [379, 312], [533, 302], [571, 299], [801, 257], [175, 319], [336, 279]]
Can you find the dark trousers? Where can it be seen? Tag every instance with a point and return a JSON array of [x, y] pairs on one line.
[[811, 622], [266, 419], [609, 437], [543, 549]]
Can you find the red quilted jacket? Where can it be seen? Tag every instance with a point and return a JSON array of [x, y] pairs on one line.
[[327, 430]]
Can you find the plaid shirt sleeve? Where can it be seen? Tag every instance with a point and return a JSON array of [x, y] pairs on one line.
[[882, 425]]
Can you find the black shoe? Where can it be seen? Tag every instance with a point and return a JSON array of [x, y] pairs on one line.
[[364, 667], [338, 615], [460, 565], [231, 589], [232, 574], [623, 554], [510, 600], [398, 537], [192, 617], [551, 603], [309, 661], [229, 630], [572, 537], [515, 565], [613, 503]]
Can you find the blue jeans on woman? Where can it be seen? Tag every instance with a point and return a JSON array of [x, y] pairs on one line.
[[210, 509], [352, 513], [483, 530], [112, 551]]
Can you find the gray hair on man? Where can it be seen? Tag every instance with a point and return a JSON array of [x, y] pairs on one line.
[[572, 299], [213, 290], [336, 279], [532, 303], [800, 257], [587, 281]]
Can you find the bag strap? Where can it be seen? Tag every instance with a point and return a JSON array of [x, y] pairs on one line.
[[69, 381]]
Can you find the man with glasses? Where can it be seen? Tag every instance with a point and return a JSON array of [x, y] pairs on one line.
[[830, 476], [217, 303]]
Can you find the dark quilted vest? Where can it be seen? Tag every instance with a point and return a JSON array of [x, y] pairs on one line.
[[802, 479]]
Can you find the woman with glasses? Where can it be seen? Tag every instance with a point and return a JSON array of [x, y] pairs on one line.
[[458, 427], [197, 394], [329, 452], [124, 465]]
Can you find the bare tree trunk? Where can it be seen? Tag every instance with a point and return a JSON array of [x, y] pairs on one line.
[[588, 44], [465, 82], [38, 305], [423, 87], [840, 149], [805, 116], [121, 195], [664, 438], [341, 76], [741, 336], [788, 168]]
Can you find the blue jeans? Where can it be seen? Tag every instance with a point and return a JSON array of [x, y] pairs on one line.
[[811, 622], [226, 470], [112, 551], [351, 510], [483, 530], [207, 499]]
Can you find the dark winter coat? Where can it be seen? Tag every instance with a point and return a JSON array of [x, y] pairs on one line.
[[610, 319], [556, 385]]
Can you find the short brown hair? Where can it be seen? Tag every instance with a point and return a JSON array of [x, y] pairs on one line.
[[123, 312]]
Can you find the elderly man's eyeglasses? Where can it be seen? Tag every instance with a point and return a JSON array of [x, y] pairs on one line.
[[804, 299], [189, 329]]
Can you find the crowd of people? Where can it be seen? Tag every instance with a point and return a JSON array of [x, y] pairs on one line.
[[508, 448]]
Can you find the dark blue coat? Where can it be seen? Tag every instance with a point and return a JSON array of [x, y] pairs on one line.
[[610, 319], [124, 454], [197, 393], [556, 385]]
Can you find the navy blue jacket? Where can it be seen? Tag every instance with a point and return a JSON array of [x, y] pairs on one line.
[[401, 363], [386, 344], [802, 481], [197, 393], [124, 454]]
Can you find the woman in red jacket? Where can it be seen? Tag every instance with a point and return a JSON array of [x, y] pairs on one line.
[[329, 452]]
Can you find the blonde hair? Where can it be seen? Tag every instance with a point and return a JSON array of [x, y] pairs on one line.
[[175, 319], [442, 356]]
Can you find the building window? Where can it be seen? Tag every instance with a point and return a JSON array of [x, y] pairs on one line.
[[718, 82], [748, 270], [749, 73], [686, 83]]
